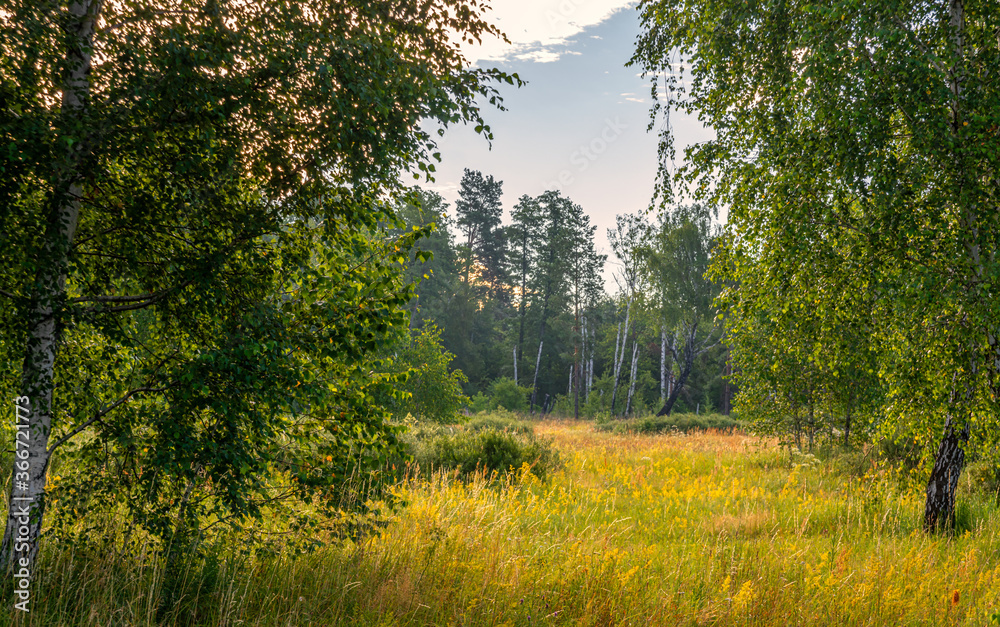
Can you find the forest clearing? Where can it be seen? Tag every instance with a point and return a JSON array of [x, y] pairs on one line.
[[705, 332], [698, 529]]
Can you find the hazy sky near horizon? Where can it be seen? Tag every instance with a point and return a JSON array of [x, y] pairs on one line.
[[579, 125]]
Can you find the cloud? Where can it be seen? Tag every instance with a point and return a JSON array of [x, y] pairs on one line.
[[539, 30], [538, 55], [448, 190]]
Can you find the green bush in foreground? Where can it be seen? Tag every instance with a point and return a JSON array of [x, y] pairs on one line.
[[682, 423]]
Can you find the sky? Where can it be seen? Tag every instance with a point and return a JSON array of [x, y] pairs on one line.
[[579, 125]]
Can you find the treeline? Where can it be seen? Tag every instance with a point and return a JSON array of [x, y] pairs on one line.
[[523, 309]]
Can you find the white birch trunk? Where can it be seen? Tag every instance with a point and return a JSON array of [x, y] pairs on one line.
[[614, 359], [663, 365], [590, 376], [631, 385], [534, 381], [619, 359], [27, 495], [515, 365]]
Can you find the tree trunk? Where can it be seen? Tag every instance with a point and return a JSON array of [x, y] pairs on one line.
[[689, 354], [727, 399], [669, 406], [631, 385], [847, 419], [522, 304], [620, 359], [515, 366], [590, 377], [541, 339], [534, 382], [27, 494], [614, 367], [180, 547], [576, 391], [663, 365], [580, 362], [812, 423], [939, 513]]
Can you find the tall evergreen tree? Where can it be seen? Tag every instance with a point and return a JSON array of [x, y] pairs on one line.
[[524, 237], [479, 214], [584, 282], [433, 265], [548, 282]]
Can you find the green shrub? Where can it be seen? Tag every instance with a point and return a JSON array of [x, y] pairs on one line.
[[505, 393], [419, 431], [499, 421], [479, 403], [489, 450], [674, 423], [431, 391], [905, 452]]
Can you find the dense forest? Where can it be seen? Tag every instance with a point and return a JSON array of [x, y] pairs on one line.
[[524, 304]]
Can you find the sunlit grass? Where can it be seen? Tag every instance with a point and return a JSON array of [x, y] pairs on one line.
[[634, 530]]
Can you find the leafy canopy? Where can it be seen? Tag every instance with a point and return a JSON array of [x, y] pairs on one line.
[[230, 279], [856, 153]]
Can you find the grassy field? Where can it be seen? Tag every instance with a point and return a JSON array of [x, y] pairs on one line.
[[700, 529]]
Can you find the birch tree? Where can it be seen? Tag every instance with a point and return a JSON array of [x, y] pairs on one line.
[[625, 239], [676, 258], [863, 132], [190, 197]]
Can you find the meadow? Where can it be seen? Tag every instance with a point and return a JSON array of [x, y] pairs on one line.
[[707, 528]]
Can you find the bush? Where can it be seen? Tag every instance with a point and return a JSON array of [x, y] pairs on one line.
[[419, 431], [682, 423], [499, 421], [505, 393], [479, 403], [984, 477], [488, 443], [431, 390], [905, 452]]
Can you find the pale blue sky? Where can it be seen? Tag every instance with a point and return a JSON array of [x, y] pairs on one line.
[[579, 125]]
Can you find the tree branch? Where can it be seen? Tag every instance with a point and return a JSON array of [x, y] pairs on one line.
[[100, 414], [138, 301], [115, 299], [920, 44]]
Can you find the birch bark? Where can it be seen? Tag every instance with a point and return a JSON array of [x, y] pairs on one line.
[[27, 493]]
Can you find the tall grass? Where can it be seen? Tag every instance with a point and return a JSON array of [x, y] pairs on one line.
[[702, 529]]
